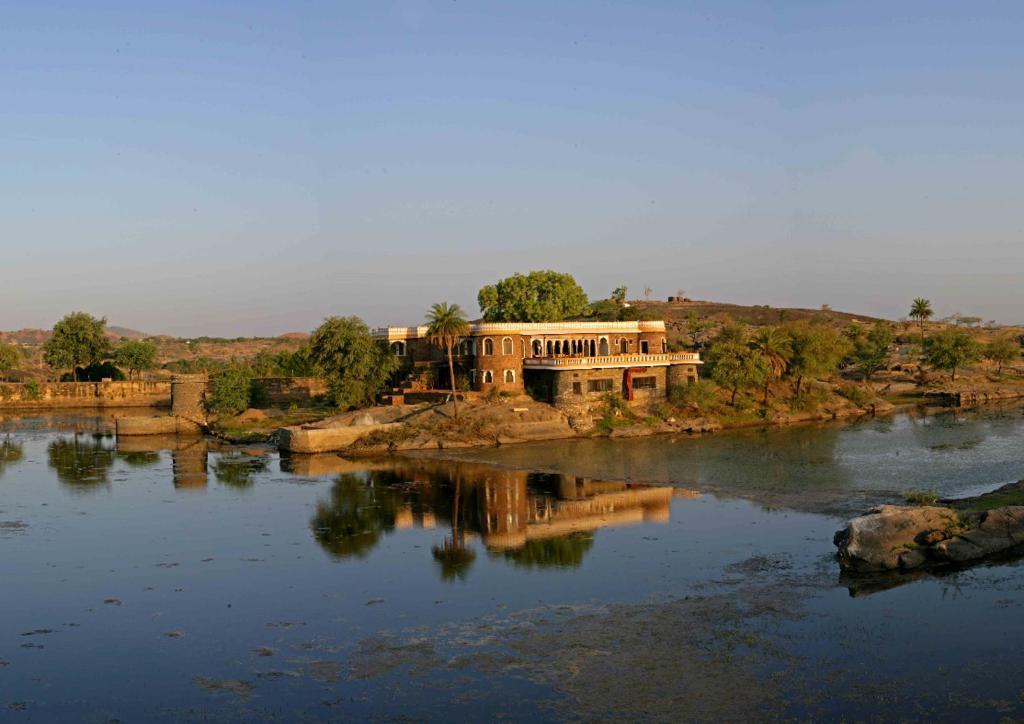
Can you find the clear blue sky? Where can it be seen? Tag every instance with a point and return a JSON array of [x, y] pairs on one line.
[[250, 167]]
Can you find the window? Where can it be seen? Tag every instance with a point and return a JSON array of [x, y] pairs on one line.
[[488, 376], [645, 383], [577, 388], [488, 346], [538, 348], [510, 376], [602, 385], [398, 349], [645, 347], [623, 346], [507, 348], [664, 346]]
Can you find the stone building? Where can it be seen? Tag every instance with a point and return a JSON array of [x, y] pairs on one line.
[[564, 363]]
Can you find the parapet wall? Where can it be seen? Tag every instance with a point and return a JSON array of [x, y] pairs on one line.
[[56, 395]]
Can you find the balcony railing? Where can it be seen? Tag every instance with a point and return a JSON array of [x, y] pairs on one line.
[[616, 360]]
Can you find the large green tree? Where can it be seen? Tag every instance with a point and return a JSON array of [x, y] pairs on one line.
[[817, 350], [951, 349], [540, 296], [732, 364], [1002, 350], [355, 365], [135, 356], [447, 326], [10, 359], [78, 340]]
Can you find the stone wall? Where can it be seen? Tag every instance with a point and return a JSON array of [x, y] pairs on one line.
[[284, 391], [679, 375], [55, 395]]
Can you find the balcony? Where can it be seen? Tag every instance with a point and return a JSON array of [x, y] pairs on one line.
[[615, 360]]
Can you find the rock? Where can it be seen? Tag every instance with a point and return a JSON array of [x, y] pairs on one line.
[[363, 420], [876, 541]]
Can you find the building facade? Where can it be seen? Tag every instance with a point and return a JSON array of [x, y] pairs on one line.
[[563, 363]]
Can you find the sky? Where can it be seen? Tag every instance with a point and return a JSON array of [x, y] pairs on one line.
[[241, 168]]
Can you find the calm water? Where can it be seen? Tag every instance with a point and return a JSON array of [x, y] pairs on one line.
[[174, 579]]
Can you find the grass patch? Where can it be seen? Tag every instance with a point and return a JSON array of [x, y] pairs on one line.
[[922, 497]]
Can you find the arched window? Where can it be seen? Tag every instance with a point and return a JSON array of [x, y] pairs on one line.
[[510, 376], [623, 346], [488, 346], [551, 348], [488, 375], [538, 348], [603, 347], [507, 348], [398, 349], [664, 346], [593, 348]]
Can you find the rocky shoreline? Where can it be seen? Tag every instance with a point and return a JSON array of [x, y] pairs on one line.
[[948, 532]]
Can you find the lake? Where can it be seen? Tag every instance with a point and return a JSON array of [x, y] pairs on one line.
[[662, 578]]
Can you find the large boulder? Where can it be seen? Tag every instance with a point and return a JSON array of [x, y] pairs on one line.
[[996, 531], [891, 537]]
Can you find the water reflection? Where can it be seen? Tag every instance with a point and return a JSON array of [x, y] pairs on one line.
[[189, 456], [236, 469], [529, 519], [10, 452], [82, 461]]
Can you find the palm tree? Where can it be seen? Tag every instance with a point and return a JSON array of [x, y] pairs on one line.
[[774, 346], [921, 310], [447, 326]]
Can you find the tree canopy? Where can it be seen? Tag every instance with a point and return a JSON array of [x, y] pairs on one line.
[[540, 296], [78, 340], [135, 356], [10, 359], [447, 325], [871, 350], [817, 350], [951, 349], [1001, 350], [355, 365]]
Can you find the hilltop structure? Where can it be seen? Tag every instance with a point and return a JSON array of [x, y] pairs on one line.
[[564, 363]]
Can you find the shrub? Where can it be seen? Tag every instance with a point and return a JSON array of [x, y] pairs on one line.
[[230, 390], [922, 497], [701, 395], [32, 391], [857, 394]]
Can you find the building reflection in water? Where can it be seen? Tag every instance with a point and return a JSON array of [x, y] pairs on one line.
[[189, 456], [530, 519]]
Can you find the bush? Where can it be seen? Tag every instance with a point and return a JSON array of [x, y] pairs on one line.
[[701, 395], [922, 497], [230, 390], [857, 394], [32, 391]]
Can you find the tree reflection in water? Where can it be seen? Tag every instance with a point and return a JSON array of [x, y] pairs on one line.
[[355, 516], [564, 552], [140, 458], [10, 452], [81, 461], [453, 556], [236, 469]]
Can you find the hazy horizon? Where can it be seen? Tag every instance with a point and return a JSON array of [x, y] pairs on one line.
[[233, 171]]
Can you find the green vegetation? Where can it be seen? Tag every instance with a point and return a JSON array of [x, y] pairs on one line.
[[563, 552], [732, 366], [701, 395], [773, 346], [284, 364], [816, 350], [951, 349], [1002, 351], [10, 359], [355, 365], [230, 390], [78, 340], [922, 497], [540, 296], [859, 395], [135, 356], [95, 372], [447, 326], [871, 349], [696, 328], [32, 390]]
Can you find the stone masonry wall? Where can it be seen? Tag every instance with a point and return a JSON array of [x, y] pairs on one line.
[[55, 395]]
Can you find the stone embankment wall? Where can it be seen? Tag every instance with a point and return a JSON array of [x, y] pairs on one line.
[[283, 391], [58, 395]]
